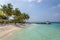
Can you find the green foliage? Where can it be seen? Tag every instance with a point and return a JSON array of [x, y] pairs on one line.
[[1, 21], [1, 14], [9, 11], [16, 12]]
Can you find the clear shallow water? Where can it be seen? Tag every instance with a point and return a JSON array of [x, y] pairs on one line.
[[38, 32]]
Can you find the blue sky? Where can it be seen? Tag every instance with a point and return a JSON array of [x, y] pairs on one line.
[[38, 10]]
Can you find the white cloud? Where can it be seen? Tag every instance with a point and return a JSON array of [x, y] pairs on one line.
[[57, 6], [4, 1], [53, 7], [31, 0], [38, 1], [56, 15]]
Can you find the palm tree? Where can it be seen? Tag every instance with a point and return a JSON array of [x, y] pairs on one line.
[[1, 14], [16, 12], [8, 11], [22, 17], [25, 16], [2, 17]]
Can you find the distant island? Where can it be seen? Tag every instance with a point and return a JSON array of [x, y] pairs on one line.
[[41, 22]]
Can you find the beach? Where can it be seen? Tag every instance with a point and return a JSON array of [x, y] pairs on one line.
[[30, 32], [37, 32], [7, 30]]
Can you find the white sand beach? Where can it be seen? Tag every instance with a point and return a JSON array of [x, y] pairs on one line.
[[7, 30]]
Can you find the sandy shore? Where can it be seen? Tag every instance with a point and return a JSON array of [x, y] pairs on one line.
[[7, 30]]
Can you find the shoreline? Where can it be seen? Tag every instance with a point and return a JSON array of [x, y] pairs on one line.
[[7, 30]]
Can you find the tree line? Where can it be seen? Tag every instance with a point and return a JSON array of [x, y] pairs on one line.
[[10, 15]]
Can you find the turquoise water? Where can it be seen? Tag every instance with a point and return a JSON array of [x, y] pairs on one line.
[[38, 32]]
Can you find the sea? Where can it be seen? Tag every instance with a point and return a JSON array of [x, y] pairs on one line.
[[38, 32]]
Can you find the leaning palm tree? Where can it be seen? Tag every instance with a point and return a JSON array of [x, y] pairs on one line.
[[21, 18], [2, 17], [8, 11], [25, 16], [16, 12]]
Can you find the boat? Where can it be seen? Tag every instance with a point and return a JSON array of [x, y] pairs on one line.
[[48, 22]]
